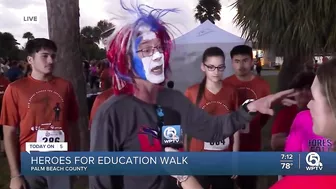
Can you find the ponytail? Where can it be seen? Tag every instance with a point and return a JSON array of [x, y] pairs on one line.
[[200, 92]]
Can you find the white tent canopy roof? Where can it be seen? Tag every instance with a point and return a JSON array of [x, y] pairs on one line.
[[208, 32], [186, 57]]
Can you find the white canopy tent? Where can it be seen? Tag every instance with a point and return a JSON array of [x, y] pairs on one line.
[[186, 57]]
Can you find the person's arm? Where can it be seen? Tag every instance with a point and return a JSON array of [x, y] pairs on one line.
[[191, 183], [10, 121], [198, 123], [11, 143], [73, 119], [278, 141], [236, 142]]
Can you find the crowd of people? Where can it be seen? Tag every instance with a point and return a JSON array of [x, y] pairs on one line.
[[137, 99]]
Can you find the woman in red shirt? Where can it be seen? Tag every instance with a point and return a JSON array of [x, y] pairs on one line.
[[323, 111]]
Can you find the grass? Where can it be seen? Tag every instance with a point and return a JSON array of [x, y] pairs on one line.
[[264, 182]]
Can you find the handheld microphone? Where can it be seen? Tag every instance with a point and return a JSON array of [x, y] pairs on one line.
[[172, 136]]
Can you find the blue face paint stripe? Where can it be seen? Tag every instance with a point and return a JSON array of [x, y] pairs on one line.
[[136, 60]]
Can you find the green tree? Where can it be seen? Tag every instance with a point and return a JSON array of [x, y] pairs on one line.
[[28, 36], [63, 26], [208, 10], [294, 29]]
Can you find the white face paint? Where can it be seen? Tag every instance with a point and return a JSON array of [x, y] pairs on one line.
[[154, 68], [153, 65]]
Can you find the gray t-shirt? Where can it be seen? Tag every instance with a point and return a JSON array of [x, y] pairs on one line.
[[120, 125]]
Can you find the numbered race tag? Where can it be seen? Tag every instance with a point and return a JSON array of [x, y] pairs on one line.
[[217, 146], [246, 129], [50, 136]]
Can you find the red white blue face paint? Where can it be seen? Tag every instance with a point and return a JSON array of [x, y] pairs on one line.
[[150, 68], [142, 30]]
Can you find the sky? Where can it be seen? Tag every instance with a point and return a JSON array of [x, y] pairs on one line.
[[91, 11]]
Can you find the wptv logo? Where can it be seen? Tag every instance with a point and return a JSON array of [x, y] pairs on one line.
[[314, 162], [171, 134]]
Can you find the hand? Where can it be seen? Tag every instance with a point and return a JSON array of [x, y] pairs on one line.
[[169, 149], [234, 177], [264, 105], [17, 183]]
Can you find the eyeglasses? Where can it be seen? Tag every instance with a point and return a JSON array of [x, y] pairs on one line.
[[146, 52], [213, 68]]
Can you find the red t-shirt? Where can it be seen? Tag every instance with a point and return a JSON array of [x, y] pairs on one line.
[[223, 102], [250, 137], [306, 182], [284, 119], [44, 111]]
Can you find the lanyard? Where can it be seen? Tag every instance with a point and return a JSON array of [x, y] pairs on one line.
[[160, 117]]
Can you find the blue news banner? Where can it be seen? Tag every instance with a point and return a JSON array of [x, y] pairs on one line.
[[184, 163]]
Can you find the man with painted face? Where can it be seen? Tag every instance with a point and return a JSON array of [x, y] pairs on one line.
[[132, 119]]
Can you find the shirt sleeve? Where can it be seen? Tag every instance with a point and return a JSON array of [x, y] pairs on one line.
[[294, 139], [73, 105], [187, 93], [9, 110], [198, 123], [94, 109]]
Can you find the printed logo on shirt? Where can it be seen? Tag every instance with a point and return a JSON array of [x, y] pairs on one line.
[[149, 139], [47, 104], [320, 145]]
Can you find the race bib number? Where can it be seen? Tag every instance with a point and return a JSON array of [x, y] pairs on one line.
[[50, 136], [217, 146], [246, 129]]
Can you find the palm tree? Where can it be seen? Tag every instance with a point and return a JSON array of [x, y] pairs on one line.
[[208, 10], [105, 27], [63, 26], [28, 36], [90, 34], [295, 29]]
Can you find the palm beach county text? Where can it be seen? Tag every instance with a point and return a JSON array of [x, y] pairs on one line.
[[80, 163]]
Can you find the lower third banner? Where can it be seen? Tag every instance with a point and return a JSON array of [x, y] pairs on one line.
[[184, 163]]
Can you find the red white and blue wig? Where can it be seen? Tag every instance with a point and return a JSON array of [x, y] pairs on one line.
[[123, 45]]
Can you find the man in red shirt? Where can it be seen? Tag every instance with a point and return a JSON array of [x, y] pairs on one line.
[[248, 86], [44, 109]]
